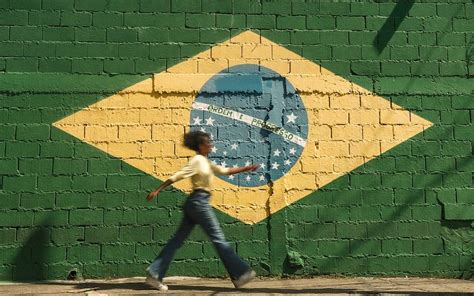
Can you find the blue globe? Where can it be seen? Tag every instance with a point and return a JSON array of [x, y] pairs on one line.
[[254, 116]]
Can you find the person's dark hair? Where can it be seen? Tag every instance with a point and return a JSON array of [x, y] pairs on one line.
[[193, 139]]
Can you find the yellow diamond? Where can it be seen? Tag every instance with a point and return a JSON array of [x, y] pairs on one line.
[[348, 125]]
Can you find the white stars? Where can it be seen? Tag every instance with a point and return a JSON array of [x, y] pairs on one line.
[[247, 163], [203, 129], [224, 164], [275, 166], [291, 117], [231, 177], [197, 120], [210, 121], [263, 166], [247, 178], [235, 166], [214, 149], [287, 162], [225, 153], [292, 151], [262, 178], [233, 146], [276, 152]]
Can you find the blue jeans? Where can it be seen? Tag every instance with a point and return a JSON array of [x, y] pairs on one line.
[[197, 210]]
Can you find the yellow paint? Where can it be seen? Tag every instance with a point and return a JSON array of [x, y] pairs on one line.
[[401, 132], [365, 148], [333, 117], [394, 117], [347, 132], [302, 67], [191, 67], [124, 150], [134, 133], [144, 124], [229, 51], [345, 102], [218, 65], [179, 83], [364, 116], [145, 86], [378, 132], [279, 52], [158, 149], [235, 62], [282, 67], [333, 148], [325, 164], [100, 133]]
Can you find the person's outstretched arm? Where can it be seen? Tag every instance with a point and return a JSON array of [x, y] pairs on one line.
[[220, 170], [157, 191], [249, 168], [186, 172]]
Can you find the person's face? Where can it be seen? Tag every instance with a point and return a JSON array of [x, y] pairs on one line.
[[206, 147]]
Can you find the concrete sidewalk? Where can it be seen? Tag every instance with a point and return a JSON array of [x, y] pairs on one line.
[[262, 286]]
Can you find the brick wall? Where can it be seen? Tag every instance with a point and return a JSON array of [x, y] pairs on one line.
[[71, 203]]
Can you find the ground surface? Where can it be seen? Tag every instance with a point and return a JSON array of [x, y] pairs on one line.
[[262, 286]]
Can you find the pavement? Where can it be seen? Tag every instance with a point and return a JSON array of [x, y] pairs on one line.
[[260, 286]]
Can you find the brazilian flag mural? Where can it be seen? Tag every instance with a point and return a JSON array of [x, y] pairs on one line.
[[359, 116]]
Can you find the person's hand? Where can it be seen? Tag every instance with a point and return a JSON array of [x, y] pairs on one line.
[[152, 195], [252, 167]]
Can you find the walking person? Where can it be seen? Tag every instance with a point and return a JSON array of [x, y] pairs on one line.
[[197, 210]]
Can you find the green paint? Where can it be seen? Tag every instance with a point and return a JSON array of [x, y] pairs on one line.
[[67, 206]]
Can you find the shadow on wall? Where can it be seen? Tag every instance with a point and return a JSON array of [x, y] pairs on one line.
[[388, 29], [470, 57], [37, 259], [30, 262]]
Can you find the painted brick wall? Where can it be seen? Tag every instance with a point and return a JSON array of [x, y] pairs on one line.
[[71, 203]]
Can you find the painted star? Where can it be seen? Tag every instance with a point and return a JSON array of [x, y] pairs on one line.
[[262, 178], [291, 118], [231, 177], [223, 163], [225, 152], [210, 121], [214, 149], [247, 163], [235, 166], [262, 165], [275, 166], [292, 151], [247, 178], [197, 120], [234, 146], [287, 162], [203, 130], [276, 152]]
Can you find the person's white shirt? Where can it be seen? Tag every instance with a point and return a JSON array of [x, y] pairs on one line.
[[201, 170]]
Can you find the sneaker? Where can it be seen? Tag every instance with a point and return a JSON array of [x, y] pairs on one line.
[[156, 284], [244, 279]]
